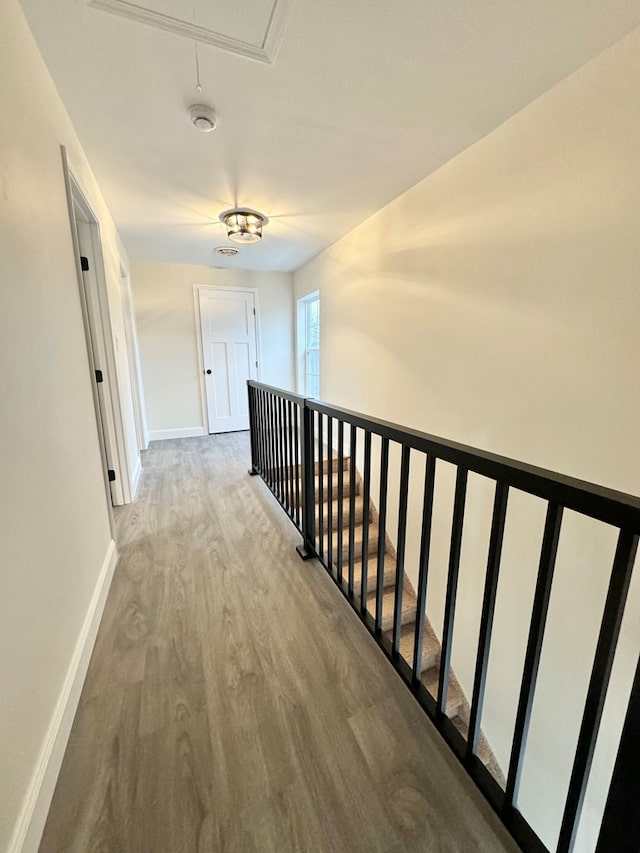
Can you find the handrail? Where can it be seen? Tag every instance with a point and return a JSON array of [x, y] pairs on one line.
[[598, 502], [280, 392], [289, 436]]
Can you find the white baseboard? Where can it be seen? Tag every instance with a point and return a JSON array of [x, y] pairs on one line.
[[137, 476], [30, 824], [181, 432]]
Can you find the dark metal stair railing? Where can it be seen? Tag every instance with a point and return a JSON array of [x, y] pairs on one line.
[[288, 433]]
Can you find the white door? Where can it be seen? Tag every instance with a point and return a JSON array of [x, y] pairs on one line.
[[228, 324]]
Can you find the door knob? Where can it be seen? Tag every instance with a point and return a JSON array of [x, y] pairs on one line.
[[207, 371]]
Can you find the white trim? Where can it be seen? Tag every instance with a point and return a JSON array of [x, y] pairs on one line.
[[180, 432], [196, 301], [110, 415], [137, 476], [203, 391], [71, 204], [30, 824], [266, 52], [135, 366]]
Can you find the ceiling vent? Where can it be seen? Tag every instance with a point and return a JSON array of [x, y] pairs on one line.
[[203, 118], [227, 251]]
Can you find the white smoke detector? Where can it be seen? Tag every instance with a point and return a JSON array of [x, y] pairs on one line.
[[228, 251], [202, 117]]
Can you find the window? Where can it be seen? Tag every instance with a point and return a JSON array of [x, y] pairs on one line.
[[309, 345]]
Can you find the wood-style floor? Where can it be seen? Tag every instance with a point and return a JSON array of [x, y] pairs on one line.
[[235, 703]]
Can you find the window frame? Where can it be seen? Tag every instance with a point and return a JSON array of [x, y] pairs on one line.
[[303, 348]]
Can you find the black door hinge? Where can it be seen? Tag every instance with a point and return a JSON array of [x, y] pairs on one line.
[[99, 376], [112, 475], [84, 263]]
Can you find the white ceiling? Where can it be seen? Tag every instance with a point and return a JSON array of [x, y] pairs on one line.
[[364, 98]]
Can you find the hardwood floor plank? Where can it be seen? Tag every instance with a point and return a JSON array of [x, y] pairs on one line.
[[235, 703]]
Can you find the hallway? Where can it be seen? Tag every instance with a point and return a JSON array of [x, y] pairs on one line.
[[235, 703]]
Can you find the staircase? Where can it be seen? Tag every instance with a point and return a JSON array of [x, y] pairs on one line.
[[288, 432], [457, 707]]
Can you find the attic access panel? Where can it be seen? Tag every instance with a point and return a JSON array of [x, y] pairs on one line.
[[253, 28]]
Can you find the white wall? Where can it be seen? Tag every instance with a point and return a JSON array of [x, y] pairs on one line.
[[55, 539], [164, 305], [496, 303]]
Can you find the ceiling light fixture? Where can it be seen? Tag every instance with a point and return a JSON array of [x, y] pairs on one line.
[[244, 225]]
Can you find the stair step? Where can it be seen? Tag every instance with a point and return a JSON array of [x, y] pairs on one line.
[[457, 708], [346, 486], [485, 753], [358, 543], [357, 516], [332, 464], [372, 568], [430, 646], [456, 701], [388, 598]]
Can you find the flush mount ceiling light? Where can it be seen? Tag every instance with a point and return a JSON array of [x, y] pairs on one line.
[[227, 251], [203, 118], [243, 224]]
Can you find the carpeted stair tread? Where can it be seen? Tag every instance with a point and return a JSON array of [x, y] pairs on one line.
[[332, 465], [346, 486], [455, 697], [457, 708], [372, 568], [485, 753], [430, 646], [358, 544], [346, 509], [388, 598]]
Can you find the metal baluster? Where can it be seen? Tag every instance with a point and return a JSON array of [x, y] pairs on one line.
[[382, 529], [596, 694], [284, 476], [260, 431], [287, 455], [308, 547], [274, 426], [270, 445], [425, 546], [486, 620], [272, 442], [352, 508], [340, 500], [366, 488], [402, 538], [541, 597], [330, 494], [296, 453], [308, 451], [281, 471], [320, 488], [252, 430], [452, 588], [620, 828]]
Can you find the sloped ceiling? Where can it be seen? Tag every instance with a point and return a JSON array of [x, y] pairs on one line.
[[351, 103]]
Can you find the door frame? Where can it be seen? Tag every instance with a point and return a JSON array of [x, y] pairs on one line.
[[196, 301], [109, 420], [135, 365]]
